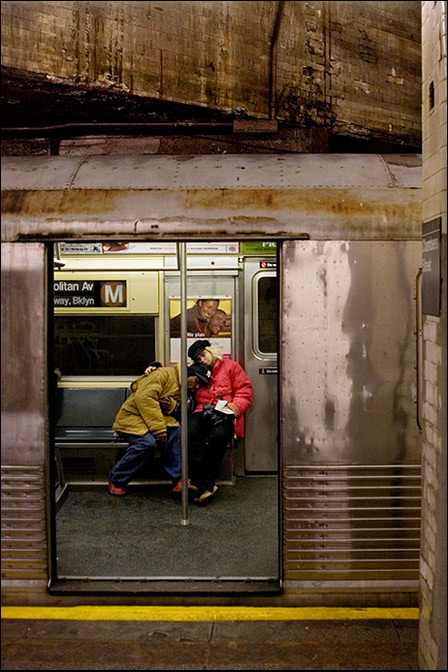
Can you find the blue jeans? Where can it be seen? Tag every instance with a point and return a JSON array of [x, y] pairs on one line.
[[141, 448]]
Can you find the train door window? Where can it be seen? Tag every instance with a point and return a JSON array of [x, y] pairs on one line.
[[260, 357], [266, 314]]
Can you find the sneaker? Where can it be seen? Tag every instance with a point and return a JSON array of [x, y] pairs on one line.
[[116, 490], [192, 489], [205, 495]]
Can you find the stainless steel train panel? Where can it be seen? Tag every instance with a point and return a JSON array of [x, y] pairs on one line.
[[24, 412], [348, 365], [352, 523], [24, 329], [350, 440], [330, 171], [337, 197], [24, 526]]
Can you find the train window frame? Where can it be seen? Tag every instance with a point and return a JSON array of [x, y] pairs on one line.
[[258, 352], [107, 334]]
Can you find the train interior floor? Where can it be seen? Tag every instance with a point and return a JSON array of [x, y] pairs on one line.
[[141, 535]]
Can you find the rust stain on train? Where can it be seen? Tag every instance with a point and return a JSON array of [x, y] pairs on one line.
[[210, 211], [94, 202]]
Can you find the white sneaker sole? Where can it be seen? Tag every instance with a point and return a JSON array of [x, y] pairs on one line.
[[205, 495]]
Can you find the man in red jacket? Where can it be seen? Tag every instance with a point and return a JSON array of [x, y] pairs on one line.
[[209, 430]]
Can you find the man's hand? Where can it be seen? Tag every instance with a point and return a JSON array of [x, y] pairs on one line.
[[165, 405], [152, 367], [162, 438]]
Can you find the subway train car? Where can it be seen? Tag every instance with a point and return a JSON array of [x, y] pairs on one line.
[[311, 264]]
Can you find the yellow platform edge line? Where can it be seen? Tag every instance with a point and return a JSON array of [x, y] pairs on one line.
[[155, 613]]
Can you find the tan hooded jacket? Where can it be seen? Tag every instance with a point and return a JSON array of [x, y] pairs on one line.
[[141, 411]]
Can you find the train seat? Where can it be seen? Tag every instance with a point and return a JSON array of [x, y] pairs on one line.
[[86, 447], [87, 414]]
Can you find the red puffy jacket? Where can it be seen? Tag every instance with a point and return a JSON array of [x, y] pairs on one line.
[[228, 378]]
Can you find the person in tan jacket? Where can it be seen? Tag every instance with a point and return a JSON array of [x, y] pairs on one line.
[[146, 428]]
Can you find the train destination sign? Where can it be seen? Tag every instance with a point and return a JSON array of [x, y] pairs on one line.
[[431, 267], [90, 294]]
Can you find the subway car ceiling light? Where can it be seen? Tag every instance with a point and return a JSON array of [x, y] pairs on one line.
[[318, 196]]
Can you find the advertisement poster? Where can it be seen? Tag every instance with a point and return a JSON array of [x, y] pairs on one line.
[[121, 247], [209, 318]]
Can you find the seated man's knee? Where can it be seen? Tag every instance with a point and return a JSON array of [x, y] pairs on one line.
[[145, 442]]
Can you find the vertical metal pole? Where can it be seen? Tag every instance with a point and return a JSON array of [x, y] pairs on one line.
[[182, 256]]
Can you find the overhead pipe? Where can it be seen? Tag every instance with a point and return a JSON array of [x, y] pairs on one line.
[[153, 128]]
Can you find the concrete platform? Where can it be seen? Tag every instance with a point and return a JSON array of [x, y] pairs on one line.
[[344, 644]]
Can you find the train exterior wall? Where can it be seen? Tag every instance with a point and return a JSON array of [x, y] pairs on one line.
[[24, 418], [349, 434], [326, 196], [380, 235]]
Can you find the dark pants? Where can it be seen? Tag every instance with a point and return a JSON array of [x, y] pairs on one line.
[[141, 449], [207, 444]]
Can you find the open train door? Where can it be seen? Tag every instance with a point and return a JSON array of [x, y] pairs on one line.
[[232, 543]]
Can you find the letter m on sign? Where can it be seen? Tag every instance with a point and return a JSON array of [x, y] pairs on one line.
[[113, 294]]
